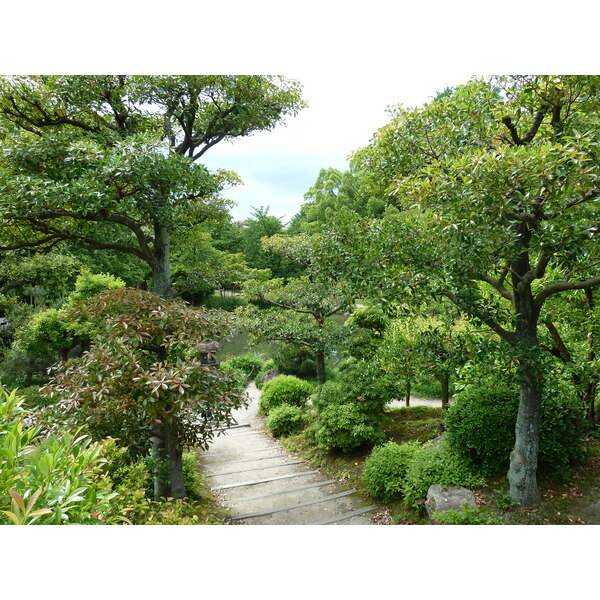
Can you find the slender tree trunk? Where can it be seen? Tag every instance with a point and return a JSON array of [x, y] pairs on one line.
[[445, 383], [175, 452], [522, 474], [407, 396], [161, 267], [160, 460], [320, 360], [589, 394]]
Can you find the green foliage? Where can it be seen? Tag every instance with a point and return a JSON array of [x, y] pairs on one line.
[[143, 375], [362, 384], [89, 284], [192, 478], [345, 427], [480, 426], [54, 480], [285, 419], [46, 333], [249, 364], [292, 359], [284, 389], [468, 515], [373, 318], [436, 464], [385, 470], [228, 303]]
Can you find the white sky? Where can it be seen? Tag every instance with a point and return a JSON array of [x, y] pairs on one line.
[[343, 112]]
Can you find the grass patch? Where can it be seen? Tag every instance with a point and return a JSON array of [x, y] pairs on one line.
[[412, 423]]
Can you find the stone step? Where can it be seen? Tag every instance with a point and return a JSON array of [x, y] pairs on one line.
[[260, 481], [284, 467], [292, 506]]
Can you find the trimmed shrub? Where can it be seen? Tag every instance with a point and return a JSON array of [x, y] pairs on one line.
[[345, 427], [467, 516], [295, 360], [284, 389], [361, 384], [481, 427], [369, 317], [249, 364], [285, 419], [385, 469], [436, 464], [228, 303]]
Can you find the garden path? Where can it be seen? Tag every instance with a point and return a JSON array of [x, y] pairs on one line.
[[263, 484]]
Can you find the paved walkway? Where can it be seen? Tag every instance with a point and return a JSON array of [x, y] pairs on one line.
[[262, 484]]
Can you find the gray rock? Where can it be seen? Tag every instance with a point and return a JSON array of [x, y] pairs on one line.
[[450, 498], [269, 375]]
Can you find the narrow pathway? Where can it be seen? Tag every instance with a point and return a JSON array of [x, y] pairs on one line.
[[262, 484]]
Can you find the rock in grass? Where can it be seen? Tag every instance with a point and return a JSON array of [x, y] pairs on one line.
[[451, 498]]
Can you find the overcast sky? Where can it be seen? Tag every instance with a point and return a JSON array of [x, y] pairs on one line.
[[278, 167]]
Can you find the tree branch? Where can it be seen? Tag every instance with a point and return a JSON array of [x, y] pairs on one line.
[[561, 286]]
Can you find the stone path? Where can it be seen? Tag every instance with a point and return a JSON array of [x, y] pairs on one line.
[[262, 484]]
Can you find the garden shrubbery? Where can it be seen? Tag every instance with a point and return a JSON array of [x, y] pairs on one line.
[[295, 360], [385, 469], [436, 464], [481, 428], [285, 419], [284, 389], [249, 364], [345, 427]]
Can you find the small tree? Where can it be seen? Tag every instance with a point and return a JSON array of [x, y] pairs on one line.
[[143, 379], [301, 307]]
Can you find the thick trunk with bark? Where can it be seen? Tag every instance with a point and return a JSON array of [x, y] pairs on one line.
[[522, 474], [320, 360], [175, 454], [407, 396], [167, 456], [161, 266]]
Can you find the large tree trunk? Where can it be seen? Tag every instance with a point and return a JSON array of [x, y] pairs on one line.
[[161, 267], [522, 474], [320, 360], [407, 396]]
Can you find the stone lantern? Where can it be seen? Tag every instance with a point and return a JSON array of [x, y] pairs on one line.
[[207, 352]]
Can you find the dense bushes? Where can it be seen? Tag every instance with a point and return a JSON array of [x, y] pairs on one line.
[[481, 428], [249, 364], [54, 480], [228, 303], [345, 427], [361, 383], [295, 360], [284, 389], [436, 464], [285, 419], [385, 469]]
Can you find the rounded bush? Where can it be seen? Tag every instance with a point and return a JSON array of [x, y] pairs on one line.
[[249, 364], [284, 389], [361, 384], [345, 427], [385, 469], [436, 464], [369, 317], [285, 419], [295, 360], [480, 425]]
